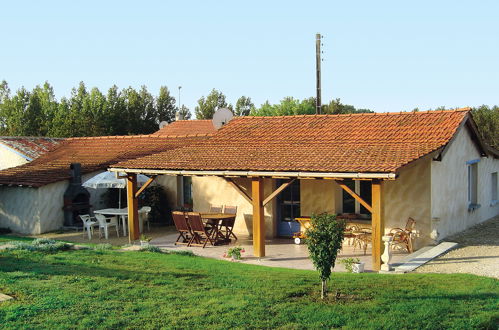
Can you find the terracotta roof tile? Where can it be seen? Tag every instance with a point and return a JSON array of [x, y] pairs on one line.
[[31, 147], [187, 127], [94, 153], [315, 143]]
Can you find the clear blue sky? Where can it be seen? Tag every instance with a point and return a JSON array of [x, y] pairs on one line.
[[387, 56]]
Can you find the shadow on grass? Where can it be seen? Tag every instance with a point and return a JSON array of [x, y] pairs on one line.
[[10, 263]]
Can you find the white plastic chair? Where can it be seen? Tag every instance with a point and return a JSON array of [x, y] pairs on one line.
[[144, 213], [88, 224], [105, 224]]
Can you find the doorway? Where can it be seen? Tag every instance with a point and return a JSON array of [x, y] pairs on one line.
[[288, 208]]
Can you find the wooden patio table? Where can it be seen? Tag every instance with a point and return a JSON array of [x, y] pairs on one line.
[[215, 219]]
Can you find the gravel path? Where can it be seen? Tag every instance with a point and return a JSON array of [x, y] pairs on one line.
[[477, 252]]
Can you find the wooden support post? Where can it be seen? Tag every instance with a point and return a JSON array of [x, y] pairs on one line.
[[133, 209], [378, 225], [258, 217]]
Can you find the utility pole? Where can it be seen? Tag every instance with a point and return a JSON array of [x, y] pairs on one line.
[[318, 101], [179, 87], [178, 115]]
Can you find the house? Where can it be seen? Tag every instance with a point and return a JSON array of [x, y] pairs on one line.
[[431, 166], [18, 150], [32, 195], [381, 168]]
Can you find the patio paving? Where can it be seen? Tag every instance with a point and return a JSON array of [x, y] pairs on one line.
[[280, 252]]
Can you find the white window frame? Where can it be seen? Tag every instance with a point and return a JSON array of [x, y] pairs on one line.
[[493, 192], [473, 184]]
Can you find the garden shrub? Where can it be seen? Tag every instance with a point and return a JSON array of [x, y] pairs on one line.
[[43, 245], [324, 240], [182, 253], [157, 198], [103, 247], [151, 248]]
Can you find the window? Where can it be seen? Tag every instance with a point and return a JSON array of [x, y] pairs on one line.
[[361, 188], [187, 190], [473, 185], [493, 181]]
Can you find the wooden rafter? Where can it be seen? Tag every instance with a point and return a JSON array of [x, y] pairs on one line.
[[277, 191], [354, 195], [239, 189], [148, 182]]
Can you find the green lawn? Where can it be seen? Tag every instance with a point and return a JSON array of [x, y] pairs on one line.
[[110, 289]]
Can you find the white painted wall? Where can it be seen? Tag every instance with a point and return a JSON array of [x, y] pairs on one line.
[[9, 158], [449, 187], [34, 211], [19, 209]]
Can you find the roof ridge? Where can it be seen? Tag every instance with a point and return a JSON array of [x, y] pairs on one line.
[[464, 109], [190, 120], [141, 136], [31, 137]]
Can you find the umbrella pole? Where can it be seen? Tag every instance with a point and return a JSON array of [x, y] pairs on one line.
[[119, 196]]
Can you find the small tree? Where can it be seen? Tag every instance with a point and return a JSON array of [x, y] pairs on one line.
[[324, 239]]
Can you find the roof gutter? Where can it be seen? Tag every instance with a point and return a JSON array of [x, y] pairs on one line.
[[311, 175]]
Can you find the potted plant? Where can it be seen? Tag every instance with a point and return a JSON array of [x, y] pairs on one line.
[[353, 265], [144, 240], [234, 253]]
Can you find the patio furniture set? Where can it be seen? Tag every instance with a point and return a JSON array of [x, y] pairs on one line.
[[360, 236], [112, 218], [199, 229]]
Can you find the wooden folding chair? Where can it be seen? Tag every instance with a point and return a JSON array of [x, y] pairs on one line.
[[216, 208], [182, 228], [201, 234], [404, 236], [228, 224]]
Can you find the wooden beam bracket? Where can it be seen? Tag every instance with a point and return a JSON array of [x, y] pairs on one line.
[[148, 182], [354, 195], [277, 191], [239, 189]]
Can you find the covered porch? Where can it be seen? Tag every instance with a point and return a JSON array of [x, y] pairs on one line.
[[258, 244]]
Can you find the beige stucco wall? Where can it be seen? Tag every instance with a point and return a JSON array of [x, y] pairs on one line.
[[171, 184], [318, 196], [409, 196], [9, 158], [217, 191], [449, 188]]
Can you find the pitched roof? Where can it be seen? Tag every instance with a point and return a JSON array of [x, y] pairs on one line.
[[94, 153], [187, 127], [30, 147], [379, 142]]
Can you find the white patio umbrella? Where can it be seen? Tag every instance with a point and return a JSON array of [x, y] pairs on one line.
[[109, 180]]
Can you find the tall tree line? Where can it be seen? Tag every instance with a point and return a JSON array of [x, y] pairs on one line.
[[288, 106], [86, 112]]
